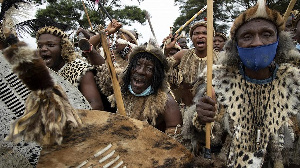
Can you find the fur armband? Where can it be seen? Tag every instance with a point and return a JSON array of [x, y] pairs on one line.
[[103, 79], [175, 132], [197, 124]]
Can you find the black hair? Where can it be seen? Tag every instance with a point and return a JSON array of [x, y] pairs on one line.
[[158, 71]]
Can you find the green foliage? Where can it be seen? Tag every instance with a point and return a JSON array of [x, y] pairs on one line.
[[63, 12], [72, 12], [225, 11], [131, 13]]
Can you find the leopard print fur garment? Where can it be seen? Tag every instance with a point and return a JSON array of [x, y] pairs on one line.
[[74, 71], [188, 69], [263, 117]]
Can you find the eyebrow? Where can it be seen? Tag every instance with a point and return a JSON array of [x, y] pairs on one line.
[[49, 41]]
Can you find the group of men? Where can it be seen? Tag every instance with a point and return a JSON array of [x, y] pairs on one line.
[[255, 103]]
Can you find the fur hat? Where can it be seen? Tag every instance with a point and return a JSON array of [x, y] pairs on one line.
[[221, 35], [295, 17], [197, 24], [67, 53], [153, 49], [260, 10], [132, 34]]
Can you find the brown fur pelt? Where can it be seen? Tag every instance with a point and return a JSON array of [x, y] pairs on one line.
[[30, 67], [47, 115], [215, 162], [260, 10], [48, 112]]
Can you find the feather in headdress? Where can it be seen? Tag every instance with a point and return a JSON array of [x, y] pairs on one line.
[[33, 25], [12, 13]]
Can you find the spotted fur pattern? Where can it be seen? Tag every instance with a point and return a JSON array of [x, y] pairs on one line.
[[189, 68], [74, 71], [275, 104]]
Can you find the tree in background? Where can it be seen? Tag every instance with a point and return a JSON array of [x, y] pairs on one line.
[[71, 12], [225, 11]]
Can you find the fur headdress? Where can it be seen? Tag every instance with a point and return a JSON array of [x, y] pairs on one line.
[[221, 35], [10, 16], [152, 48], [201, 23], [56, 29], [260, 10], [295, 17], [131, 33]]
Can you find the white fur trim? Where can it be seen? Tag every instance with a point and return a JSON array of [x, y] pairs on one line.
[[261, 10], [122, 41]]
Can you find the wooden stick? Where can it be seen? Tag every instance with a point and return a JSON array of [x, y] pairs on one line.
[[115, 82], [110, 18], [150, 24], [191, 19], [87, 15], [288, 10], [209, 63]]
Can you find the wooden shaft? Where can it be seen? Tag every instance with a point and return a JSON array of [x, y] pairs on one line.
[[87, 15], [288, 10], [110, 18], [115, 82], [191, 19], [150, 24], [209, 62]]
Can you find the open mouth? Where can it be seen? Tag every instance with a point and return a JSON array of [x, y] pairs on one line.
[[138, 81], [46, 58], [200, 43]]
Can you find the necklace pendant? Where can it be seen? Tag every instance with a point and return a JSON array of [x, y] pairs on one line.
[[258, 138]]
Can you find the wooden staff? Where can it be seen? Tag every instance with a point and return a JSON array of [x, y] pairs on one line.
[[207, 153], [191, 19], [87, 15], [110, 18], [288, 10], [114, 79], [150, 24]]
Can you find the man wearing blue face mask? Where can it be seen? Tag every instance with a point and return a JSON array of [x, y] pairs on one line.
[[258, 85]]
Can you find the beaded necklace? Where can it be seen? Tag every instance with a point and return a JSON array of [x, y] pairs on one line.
[[258, 108]]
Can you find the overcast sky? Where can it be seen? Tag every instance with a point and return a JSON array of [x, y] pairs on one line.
[[163, 14]]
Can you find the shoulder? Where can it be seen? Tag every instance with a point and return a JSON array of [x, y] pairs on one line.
[[181, 53], [87, 78], [170, 99]]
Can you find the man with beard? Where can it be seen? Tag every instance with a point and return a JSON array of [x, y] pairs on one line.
[[58, 54], [258, 84]]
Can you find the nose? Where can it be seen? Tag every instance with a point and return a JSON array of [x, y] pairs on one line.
[[200, 35], [256, 41], [141, 69], [43, 48]]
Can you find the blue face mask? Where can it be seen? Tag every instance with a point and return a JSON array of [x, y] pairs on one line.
[[146, 92], [257, 58], [298, 46]]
